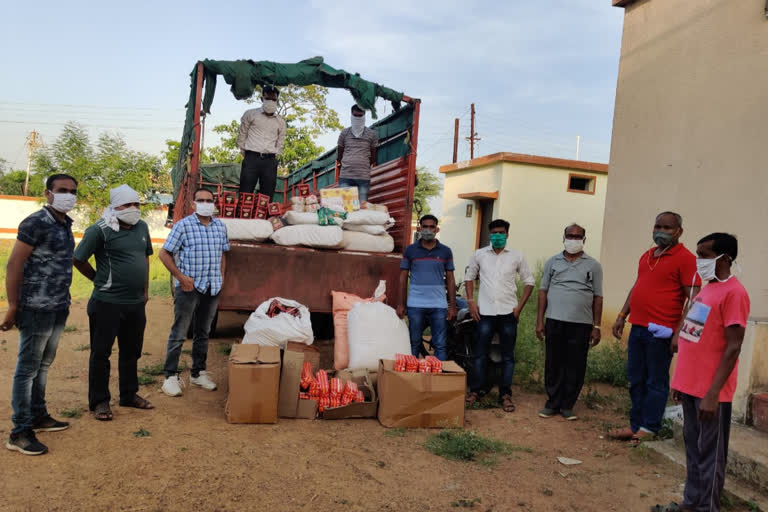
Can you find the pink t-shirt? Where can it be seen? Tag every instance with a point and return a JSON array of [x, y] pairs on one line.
[[702, 338]]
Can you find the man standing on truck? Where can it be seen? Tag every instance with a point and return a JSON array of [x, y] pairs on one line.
[[430, 265], [121, 243], [261, 138], [199, 241], [497, 309], [38, 277], [356, 154]]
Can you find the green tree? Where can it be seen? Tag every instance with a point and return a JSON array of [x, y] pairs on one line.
[[307, 116], [99, 166], [12, 181], [428, 186]]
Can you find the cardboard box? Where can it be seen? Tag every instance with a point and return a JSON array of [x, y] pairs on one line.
[[246, 212], [229, 211], [303, 189], [261, 214], [254, 377], [289, 404], [421, 399], [247, 199], [365, 409], [262, 201], [274, 209], [341, 199]]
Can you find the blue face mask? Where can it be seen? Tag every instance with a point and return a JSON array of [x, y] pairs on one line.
[[498, 240], [662, 238]]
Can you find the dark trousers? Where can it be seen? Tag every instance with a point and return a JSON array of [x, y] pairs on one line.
[[261, 170], [186, 306], [648, 361], [706, 454], [506, 327], [566, 362], [109, 321]]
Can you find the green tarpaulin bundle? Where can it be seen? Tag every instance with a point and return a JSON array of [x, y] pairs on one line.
[[244, 76]]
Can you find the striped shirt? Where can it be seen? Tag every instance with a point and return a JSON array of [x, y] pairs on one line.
[[198, 249], [356, 160], [427, 268]]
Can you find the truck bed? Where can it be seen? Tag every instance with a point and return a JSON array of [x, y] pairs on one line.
[[257, 271]]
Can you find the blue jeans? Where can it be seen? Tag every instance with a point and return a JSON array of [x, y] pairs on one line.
[[437, 324], [186, 306], [363, 187], [39, 333], [506, 327], [648, 374]]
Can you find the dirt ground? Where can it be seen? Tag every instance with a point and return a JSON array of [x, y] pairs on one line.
[[194, 461]]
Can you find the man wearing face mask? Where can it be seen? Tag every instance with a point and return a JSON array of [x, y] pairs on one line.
[[571, 295], [356, 154], [430, 265], [198, 243], [260, 139], [121, 244], [665, 275], [706, 370], [497, 309], [38, 277]]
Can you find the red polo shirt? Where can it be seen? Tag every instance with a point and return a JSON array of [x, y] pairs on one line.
[[658, 296]]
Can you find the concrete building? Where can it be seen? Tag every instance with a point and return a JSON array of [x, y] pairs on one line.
[[537, 195], [689, 135]]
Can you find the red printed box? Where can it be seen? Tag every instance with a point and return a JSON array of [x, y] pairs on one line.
[[261, 214], [247, 199], [303, 189], [262, 201], [246, 212], [274, 209], [228, 211], [276, 223]]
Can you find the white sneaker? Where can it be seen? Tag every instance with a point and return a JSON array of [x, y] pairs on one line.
[[171, 386], [203, 381]]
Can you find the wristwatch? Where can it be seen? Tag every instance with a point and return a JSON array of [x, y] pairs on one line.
[[596, 327]]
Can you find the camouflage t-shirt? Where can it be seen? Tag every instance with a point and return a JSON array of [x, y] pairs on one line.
[[48, 270]]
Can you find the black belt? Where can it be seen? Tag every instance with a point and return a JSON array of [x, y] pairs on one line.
[[261, 155]]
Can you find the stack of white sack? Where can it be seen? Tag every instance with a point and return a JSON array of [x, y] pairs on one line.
[[254, 230], [366, 230], [310, 235]]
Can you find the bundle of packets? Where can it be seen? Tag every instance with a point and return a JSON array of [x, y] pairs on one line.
[[328, 392], [344, 199], [328, 217], [409, 363], [276, 307]]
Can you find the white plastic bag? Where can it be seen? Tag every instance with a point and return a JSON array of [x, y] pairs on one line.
[[375, 332], [371, 217], [280, 329], [357, 241], [326, 237], [294, 218], [256, 230]]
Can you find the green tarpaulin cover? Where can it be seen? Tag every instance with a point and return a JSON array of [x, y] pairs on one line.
[[244, 76]]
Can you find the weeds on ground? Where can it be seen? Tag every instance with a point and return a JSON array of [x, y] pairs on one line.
[[142, 433], [70, 328], [153, 370], [489, 401], [81, 348], [593, 399], [467, 445], [75, 412], [224, 348], [395, 432], [145, 380], [608, 363], [187, 351], [462, 503], [667, 430]]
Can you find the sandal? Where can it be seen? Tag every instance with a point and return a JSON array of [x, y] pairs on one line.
[[137, 403], [506, 403], [102, 412], [470, 400], [642, 435], [621, 434]]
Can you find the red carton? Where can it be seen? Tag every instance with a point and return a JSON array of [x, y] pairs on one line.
[[246, 212], [229, 198], [261, 214], [276, 223], [274, 209], [228, 211], [247, 199], [303, 189], [262, 201]]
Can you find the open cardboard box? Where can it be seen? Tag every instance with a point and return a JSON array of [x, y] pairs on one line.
[[254, 377], [294, 356], [421, 399], [365, 409]]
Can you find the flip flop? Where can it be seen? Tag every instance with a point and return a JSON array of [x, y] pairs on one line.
[[137, 403], [621, 434], [102, 412]]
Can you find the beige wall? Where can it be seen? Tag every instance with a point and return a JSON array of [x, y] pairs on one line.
[[532, 198], [689, 135]]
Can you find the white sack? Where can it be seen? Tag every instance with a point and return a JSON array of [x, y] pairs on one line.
[[256, 230], [293, 218], [325, 237], [276, 331], [371, 217], [357, 241], [375, 332], [366, 228]]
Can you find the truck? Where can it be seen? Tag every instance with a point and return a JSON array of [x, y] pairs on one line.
[[257, 271]]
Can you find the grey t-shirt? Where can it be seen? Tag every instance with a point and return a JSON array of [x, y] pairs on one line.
[[356, 160], [571, 287]]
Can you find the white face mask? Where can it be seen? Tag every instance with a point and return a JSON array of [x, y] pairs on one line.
[[573, 246], [357, 124], [706, 268], [63, 202], [269, 106], [204, 209], [130, 215]]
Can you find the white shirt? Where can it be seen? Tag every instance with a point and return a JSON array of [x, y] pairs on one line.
[[261, 133], [498, 290]]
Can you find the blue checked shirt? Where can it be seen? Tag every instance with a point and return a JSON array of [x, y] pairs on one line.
[[198, 249]]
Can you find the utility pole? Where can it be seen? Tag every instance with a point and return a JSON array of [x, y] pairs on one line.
[[472, 134], [455, 139], [578, 146], [33, 142]]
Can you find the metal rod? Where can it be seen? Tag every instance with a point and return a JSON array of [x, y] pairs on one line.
[[455, 139]]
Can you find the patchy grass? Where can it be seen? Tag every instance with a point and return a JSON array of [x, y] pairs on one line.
[[608, 363], [75, 412], [224, 348], [82, 348], [467, 445], [667, 430], [70, 328], [146, 380], [462, 503], [153, 370], [593, 399], [142, 432], [489, 401], [395, 432]]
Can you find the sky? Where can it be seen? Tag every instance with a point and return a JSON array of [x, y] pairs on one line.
[[540, 73]]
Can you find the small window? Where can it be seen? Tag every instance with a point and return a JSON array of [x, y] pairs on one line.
[[581, 184]]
